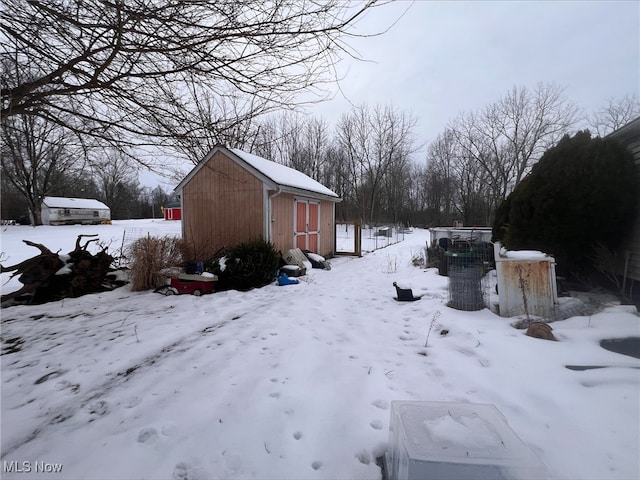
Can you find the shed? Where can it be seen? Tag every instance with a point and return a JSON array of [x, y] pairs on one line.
[[233, 196], [172, 211], [71, 211], [629, 136]]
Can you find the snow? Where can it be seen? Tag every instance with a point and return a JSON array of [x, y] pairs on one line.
[[316, 257], [63, 202], [464, 432], [283, 175], [296, 382], [531, 255]]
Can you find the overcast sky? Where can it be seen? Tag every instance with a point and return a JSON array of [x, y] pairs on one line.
[[445, 57], [442, 58]]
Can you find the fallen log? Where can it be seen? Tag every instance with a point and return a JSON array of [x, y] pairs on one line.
[[52, 276]]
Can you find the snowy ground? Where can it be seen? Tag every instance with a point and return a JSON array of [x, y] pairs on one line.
[[292, 382]]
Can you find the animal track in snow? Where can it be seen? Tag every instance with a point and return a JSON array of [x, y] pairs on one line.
[[64, 385], [381, 404], [364, 457], [169, 430], [147, 435], [98, 408], [274, 395], [376, 425], [131, 402], [316, 465], [297, 435], [182, 471]]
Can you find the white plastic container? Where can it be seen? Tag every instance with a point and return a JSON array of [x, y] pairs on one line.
[[452, 441]]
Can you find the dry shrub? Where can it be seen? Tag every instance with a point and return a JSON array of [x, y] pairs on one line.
[[149, 256], [198, 251]]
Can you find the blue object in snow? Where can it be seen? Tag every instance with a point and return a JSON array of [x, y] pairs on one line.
[[285, 280]]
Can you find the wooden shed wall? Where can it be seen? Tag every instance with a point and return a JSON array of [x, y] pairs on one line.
[[282, 225], [327, 226], [222, 206]]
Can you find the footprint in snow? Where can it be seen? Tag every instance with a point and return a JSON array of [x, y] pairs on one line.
[[274, 395], [183, 471], [297, 435], [376, 425], [381, 404], [316, 465], [364, 457], [99, 408], [147, 435], [64, 385], [169, 430], [131, 402]]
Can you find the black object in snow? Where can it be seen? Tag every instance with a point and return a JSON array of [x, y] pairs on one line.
[[405, 294]]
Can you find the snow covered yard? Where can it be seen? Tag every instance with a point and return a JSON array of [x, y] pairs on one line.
[[293, 382]]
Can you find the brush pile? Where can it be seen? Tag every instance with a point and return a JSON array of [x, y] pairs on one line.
[[52, 276]]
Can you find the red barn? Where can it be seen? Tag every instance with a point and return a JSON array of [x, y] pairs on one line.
[[172, 211]]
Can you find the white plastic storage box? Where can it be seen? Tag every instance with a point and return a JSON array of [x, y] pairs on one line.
[[453, 441]]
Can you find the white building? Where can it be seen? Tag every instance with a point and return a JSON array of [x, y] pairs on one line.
[[70, 211]]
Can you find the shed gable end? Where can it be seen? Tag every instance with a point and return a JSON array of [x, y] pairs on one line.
[[223, 205]]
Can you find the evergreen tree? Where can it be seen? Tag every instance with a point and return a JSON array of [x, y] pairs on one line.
[[583, 192]]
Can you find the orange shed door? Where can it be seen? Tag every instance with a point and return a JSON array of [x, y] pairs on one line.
[[307, 225]]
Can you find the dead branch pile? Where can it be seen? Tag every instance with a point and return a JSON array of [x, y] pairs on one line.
[[53, 276]]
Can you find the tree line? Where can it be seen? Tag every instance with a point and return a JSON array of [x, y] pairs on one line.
[[93, 91], [370, 158], [373, 158]]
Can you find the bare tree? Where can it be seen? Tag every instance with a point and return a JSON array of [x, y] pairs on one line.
[[396, 189], [114, 174], [315, 146], [38, 156], [470, 198], [293, 139], [198, 120], [441, 157], [508, 136], [117, 69], [266, 142], [616, 114], [375, 140]]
